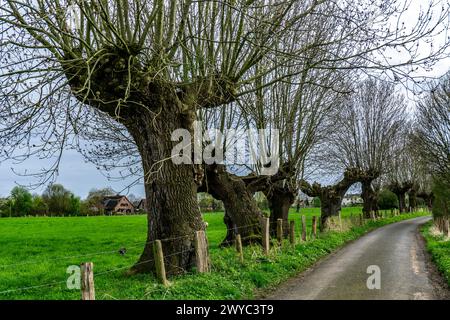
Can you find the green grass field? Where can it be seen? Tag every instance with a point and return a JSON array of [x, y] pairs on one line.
[[36, 252], [439, 248]]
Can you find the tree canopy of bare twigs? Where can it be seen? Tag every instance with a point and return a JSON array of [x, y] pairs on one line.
[[433, 128]]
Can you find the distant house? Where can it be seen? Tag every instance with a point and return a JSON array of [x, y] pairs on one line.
[[117, 205], [352, 200]]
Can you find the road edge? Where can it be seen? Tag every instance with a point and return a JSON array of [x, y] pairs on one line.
[[263, 293]]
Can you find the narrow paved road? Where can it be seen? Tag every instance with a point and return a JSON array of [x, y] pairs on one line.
[[398, 251]]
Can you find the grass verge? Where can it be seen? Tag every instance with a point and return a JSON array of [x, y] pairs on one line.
[[439, 248]]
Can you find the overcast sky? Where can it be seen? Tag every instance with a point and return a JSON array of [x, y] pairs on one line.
[[76, 175]]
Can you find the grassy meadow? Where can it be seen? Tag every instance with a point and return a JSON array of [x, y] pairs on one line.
[[36, 252]]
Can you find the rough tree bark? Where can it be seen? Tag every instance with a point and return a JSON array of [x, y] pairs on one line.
[[231, 230], [153, 110], [280, 199], [242, 212], [171, 190], [412, 196], [370, 198], [401, 201]]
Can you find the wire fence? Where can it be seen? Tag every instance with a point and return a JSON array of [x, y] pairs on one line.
[[276, 231]]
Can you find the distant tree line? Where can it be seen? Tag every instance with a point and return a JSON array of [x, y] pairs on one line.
[[56, 200]]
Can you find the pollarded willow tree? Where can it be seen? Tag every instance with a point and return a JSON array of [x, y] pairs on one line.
[[342, 37], [432, 141], [432, 136], [359, 143], [367, 133], [145, 68], [148, 65], [294, 106], [298, 106], [404, 170]]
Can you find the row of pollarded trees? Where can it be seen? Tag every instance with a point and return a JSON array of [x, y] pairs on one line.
[[120, 79], [431, 141]]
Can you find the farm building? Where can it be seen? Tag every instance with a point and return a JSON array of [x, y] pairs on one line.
[[352, 200], [117, 204]]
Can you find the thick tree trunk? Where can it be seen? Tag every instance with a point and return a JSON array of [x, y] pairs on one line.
[[240, 206], [400, 191], [330, 204], [231, 230], [171, 190], [401, 196], [412, 196], [280, 201], [369, 197], [331, 196]]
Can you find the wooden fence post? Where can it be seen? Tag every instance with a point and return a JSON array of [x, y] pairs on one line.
[[303, 228], [340, 220], [314, 226], [239, 248], [201, 252], [87, 281], [292, 232], [372, 214], [266, 235], [280, 231], [158, 255], [361, 219]]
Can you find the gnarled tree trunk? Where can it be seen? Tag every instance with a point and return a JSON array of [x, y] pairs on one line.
[[171, 190], [331, 196], [280, 200], [242, 212], [412, 196], [330, 204], [370, 198], [401, 196], [231, 230], [400, 191]]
